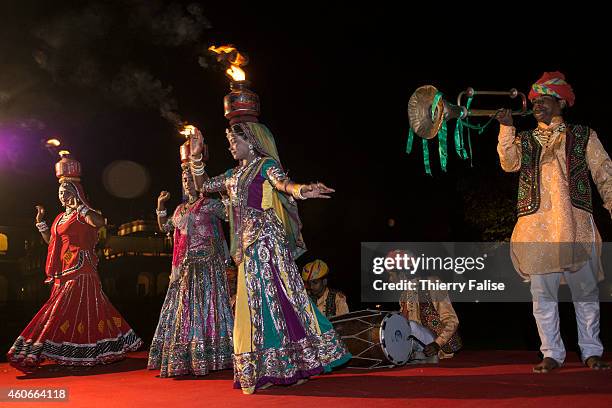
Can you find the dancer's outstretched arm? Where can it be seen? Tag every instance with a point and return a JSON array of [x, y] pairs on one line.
[[280, 181]]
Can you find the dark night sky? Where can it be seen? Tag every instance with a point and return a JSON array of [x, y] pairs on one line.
[[333, 83]]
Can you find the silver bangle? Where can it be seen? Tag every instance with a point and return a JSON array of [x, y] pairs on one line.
[[42, 226], [162, 213], [197, 160], [198, 172]]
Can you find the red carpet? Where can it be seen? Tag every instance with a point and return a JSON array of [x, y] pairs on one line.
[[471, 379]]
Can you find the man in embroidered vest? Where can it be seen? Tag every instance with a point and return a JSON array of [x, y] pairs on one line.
[[555, 239], [329, 301], [431, 315]]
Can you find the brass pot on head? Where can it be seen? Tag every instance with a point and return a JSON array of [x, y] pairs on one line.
[[426, 125], [241, 104]]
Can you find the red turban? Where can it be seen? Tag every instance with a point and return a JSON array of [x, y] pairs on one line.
[[553, 83]]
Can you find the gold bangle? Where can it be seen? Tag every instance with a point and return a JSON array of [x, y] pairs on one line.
[[297, 191]]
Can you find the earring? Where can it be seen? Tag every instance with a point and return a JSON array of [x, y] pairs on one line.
[[251, 149]]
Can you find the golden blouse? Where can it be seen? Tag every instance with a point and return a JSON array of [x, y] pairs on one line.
[[558, 237]]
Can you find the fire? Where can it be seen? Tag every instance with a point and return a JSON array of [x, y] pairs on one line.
[[52, 143], [222, 49], [188, 130], [236, 73], [231, 56]]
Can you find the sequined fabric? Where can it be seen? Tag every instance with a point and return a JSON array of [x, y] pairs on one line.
[[532, 143], [558, 236], [434, 310], [286, 365], [215, 184], [444, 326], [238, 185], [197, 229], [277, 176], [279, 334], [252, 185], [194, 333], [77, 325]]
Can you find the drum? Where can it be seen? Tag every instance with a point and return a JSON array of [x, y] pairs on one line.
[[376, 339]]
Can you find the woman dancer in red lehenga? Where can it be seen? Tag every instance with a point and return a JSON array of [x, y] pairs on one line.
[[78, 325]]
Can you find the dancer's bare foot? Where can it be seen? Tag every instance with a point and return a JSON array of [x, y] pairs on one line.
[[300, 382], [596, 363], [248, 390], [546, 365]]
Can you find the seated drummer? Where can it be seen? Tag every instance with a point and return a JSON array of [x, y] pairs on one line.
[[431, 315], [329, 301]]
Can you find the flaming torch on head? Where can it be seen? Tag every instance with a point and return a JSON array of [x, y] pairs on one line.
[[67, 168], [241, 104]]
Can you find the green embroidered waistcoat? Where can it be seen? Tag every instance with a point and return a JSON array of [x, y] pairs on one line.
[[577, 137]]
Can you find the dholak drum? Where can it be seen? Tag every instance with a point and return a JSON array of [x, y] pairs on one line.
[[376, 339]]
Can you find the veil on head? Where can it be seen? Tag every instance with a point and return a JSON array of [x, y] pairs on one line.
[[76, 189], [260, 137]]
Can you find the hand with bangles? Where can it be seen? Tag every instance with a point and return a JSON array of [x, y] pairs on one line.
[[198, 149], [315, 190]]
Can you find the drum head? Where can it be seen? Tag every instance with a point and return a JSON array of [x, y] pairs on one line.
[[395, 338]]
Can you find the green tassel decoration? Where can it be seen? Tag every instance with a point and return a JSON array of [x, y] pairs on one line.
[[426, 157], [442, 146], [410, 140], [459, 144], [459, 136]]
